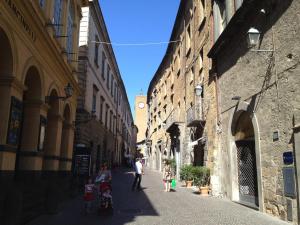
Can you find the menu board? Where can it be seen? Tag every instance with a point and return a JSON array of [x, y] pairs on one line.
[[82, 165]]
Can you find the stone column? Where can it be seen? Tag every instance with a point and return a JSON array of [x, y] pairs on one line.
[[30, 157], [66, 147], [5, 93], [52, 143], [9, 86]]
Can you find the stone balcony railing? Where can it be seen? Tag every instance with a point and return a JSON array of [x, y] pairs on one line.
[[196, 114], [173, 119]]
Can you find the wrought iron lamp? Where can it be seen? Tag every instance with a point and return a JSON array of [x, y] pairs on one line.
[[68, 93]]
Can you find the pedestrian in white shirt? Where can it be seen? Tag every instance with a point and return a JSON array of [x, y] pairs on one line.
[[138, 174]]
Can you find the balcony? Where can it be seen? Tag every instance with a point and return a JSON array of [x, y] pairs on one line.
[[195, 115], [173, 119]]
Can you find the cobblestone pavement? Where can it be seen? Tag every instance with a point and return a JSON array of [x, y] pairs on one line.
[[153, 206]]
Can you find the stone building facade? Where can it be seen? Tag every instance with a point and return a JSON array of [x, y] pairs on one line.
[[258, 97], [177, 114], [38, 72], [104, 122]]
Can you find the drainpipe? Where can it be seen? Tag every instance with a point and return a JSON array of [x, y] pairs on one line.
[[296, 148], [217, 97]]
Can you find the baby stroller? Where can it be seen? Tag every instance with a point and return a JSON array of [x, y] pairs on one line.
[[105, 203]]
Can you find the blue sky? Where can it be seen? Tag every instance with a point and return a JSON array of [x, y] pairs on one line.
[[139, 21]]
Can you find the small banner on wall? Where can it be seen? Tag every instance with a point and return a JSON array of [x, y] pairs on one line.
[[43, 124], [15, 121]]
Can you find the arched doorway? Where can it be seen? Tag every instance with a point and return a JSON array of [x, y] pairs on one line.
[[6, 59], [6, 70], [66, 141], [244, 138], [29, 158], [53, 134], [198, 149]]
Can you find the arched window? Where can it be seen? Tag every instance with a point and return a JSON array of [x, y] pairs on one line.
[[57, 16], [70, 29]]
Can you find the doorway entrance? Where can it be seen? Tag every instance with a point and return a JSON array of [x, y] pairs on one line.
[[247, 175], [246, 160]]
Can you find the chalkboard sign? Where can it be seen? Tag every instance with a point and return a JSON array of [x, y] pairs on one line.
[[82, 165]]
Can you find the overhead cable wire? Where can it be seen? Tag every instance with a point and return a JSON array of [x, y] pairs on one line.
[[135, 44]]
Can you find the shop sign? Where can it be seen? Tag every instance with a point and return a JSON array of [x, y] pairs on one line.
[[15, 121], [21, 19], [288, 158]]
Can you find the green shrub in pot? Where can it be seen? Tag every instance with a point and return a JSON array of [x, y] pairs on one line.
[[186, 172]]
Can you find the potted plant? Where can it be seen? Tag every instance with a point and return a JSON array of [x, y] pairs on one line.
[[205, 180], [186, 174], [197, 175], [201, 178]]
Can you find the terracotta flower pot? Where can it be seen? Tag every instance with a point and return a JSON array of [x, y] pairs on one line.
[[204, 190], [188, 183]]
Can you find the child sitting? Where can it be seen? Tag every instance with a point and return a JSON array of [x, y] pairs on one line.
[[107, 198]]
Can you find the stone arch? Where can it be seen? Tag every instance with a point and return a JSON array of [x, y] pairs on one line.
[[31, 124], [6, 60], [53, 86], [33, 84], [7, 71], [32, 63], [67, 115], [241, 108], [67, 137], [53, 133], [54, 102], [8, 45]]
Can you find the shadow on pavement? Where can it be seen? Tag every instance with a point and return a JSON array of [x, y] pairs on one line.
[[128, 205]]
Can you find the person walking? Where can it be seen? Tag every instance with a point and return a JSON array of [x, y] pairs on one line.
[[104, 174], [167, 176], [138, 175]]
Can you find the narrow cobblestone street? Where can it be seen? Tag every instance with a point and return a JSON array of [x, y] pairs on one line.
[[154, 206]]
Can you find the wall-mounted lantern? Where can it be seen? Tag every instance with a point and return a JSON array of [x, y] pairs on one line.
[[68, 93], [198, 90], [253, 37]]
